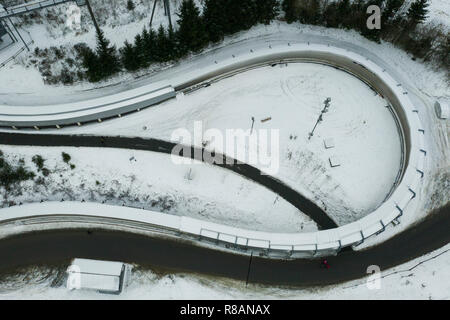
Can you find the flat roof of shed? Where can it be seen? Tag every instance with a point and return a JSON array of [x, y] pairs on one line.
[[108, 268]]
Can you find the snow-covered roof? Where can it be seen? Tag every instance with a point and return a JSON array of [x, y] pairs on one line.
[[442, 109], [109, 268], [95, 282], [95, 275]]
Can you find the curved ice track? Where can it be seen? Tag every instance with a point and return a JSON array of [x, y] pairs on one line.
[[270, 244]]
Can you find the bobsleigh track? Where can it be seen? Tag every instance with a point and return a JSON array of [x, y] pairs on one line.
[[59, 247], [284, 249]]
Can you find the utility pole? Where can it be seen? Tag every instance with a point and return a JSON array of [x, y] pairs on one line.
[[167, 5], [20, 36], [97, 28], [166, 12], [153, 12], [320, 119], [8, 30]]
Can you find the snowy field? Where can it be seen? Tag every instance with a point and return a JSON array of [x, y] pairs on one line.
[[150, 180], [439, 12], [422, 278], [365, 136]]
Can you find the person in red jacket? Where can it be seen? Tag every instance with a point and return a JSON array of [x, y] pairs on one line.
[[325, 264]]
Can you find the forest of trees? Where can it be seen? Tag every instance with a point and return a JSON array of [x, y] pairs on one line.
[[194, 32], [220, 18], [405, 30]]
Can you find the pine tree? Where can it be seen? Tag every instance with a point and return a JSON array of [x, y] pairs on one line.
[[149, 46], [172, 44], [417, 12], [162, 44], [267, 10], [130, 5], [316, 12], [107, 56], [344, 11], [103, 62], [214, 19], [128, 57], [241, 15], [391, 8], [310, 11], [288, 6], [191, 33], [331, 18], [140, 51], [90, 62], [145, 53]]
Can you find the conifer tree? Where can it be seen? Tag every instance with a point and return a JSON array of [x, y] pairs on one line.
[[128, 57], [344, 12], [162, 44], [330, 15], [417, 12], [102, 63], [191, 33], [391, 8], [214, 19], [309, 11], [266, 10], [90, 62], [147, 49], [140, 51], [107, 56], [150, 46], [241, 15], [130, 5], [172, 44], [289, 10]]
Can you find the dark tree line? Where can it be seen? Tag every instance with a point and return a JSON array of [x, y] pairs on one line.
[[195, 31], [402, 29]]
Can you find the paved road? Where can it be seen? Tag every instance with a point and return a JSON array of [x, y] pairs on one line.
[[53, 247], [295, 198]]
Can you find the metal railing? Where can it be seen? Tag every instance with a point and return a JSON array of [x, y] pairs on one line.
[[29, 7]]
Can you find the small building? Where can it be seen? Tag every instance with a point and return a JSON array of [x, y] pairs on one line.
[[442, 109], [101, 276]]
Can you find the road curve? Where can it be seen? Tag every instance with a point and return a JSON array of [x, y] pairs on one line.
[[306, 206], [58, 247]]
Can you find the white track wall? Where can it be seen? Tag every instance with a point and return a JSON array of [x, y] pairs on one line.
[[272, 244]]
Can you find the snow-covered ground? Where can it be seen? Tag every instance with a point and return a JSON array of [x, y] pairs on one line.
[[48, 29], [423, 82], [424, 278], [439, 12], [48, 26], [150, 180], [363, 129]]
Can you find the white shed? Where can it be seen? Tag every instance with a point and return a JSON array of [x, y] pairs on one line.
[[101, 276], [442, 109]]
